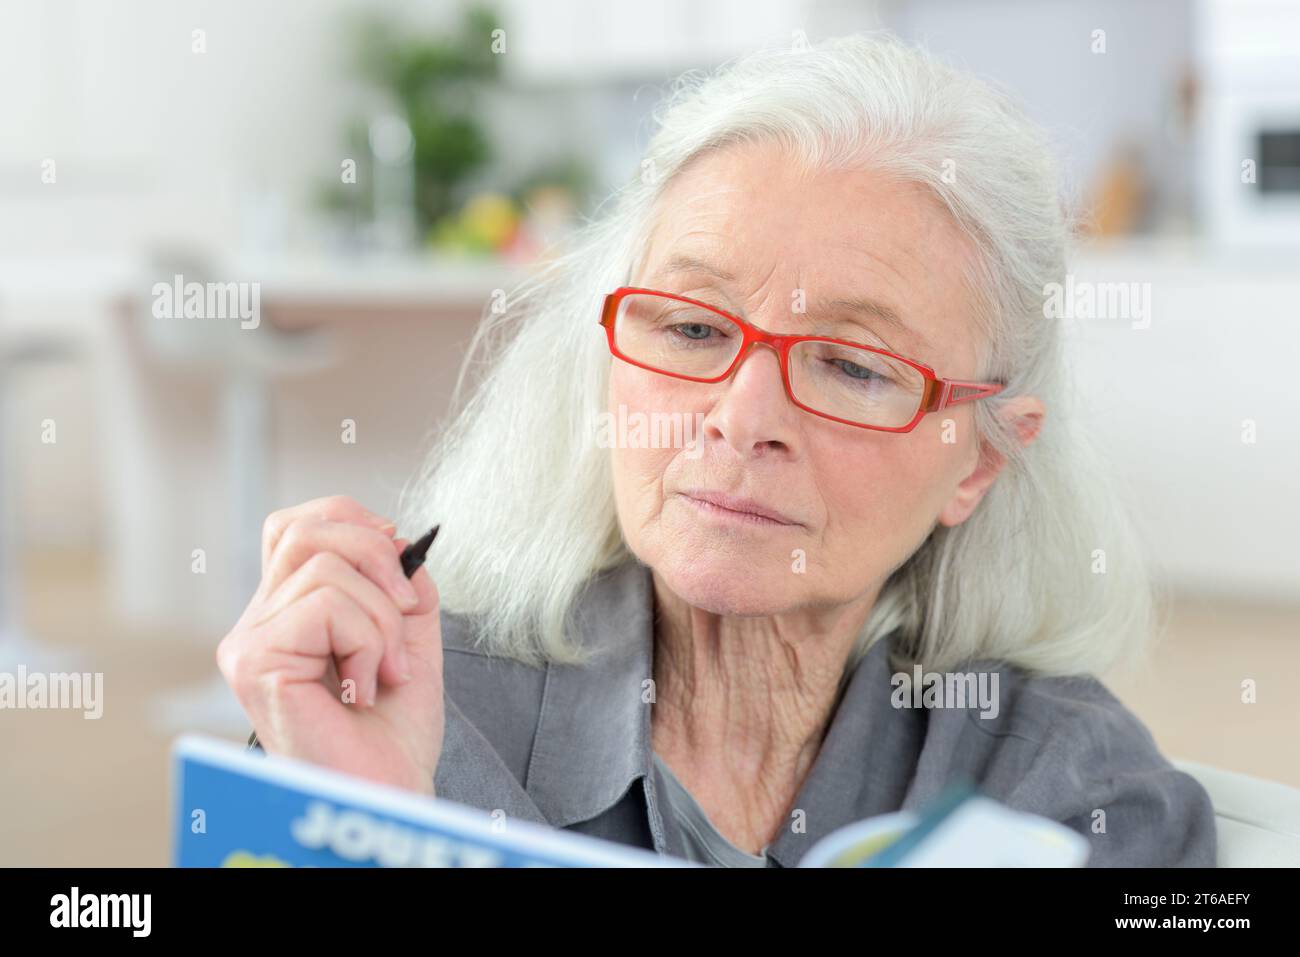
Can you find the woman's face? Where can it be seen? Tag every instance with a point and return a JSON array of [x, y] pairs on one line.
[[854, 503]]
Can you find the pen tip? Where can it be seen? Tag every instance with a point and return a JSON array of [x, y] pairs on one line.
[[413, 556]]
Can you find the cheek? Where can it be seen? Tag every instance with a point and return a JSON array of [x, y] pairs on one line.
[[886, 490], [638, 484], [638, 468], [638, 390], [625, 386]]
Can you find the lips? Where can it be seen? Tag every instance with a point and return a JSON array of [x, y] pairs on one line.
[[721, 504]]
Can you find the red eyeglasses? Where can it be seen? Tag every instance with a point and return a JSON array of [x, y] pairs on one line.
[[836, 379]]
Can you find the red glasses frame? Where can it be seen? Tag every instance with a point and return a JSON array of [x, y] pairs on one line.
[[939, 393]]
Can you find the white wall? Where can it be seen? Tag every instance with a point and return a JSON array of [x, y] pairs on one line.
[[1042, 51], [154, 142], [1170, 405]]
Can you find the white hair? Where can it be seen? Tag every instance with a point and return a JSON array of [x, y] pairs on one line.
[[1045, 574]]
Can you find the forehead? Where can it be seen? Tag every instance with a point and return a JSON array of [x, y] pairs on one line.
[[759, 227], [759, 192]]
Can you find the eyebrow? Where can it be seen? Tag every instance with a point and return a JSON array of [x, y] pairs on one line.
[[870, 308], [681, 262]]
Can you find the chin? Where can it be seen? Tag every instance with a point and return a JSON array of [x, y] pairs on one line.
[[728, 582]]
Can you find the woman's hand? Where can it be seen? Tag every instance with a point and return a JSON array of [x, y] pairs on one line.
[[338, 657]]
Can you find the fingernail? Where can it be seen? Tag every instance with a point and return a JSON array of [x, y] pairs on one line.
[[406, 677]]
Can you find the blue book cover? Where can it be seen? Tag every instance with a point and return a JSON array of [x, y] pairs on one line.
[[236, 808]]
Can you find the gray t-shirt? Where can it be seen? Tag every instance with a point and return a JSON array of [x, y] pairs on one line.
[[701, 839]]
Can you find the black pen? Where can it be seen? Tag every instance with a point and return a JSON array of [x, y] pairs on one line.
[[412, 558]]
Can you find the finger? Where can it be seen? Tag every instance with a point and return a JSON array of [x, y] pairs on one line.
[[350, 639], [322, 633], [329, 568], [366, 549], [333, 508]]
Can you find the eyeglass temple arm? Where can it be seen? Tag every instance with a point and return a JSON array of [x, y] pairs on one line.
[[948, 392]]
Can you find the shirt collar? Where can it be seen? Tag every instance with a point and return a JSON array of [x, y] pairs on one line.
[[593, 737], [593, 733]]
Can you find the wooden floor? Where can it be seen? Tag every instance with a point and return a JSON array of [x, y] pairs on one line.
[[96, 793]]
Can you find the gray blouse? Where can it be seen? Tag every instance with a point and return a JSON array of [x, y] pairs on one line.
[[570, 746]]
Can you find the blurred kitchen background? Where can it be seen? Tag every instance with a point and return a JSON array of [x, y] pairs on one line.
[[384, 169]]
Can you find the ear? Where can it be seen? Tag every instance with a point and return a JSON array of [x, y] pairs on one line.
[[1024, 414]]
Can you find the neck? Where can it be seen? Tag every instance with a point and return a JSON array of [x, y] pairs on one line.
[[742, 704]]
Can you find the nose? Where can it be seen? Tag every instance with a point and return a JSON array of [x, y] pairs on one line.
[[754, 414]]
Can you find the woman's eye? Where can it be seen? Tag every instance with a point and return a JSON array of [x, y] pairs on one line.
[[855, 371], [694, 330]]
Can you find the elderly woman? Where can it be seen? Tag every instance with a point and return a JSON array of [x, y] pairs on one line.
[[710, 639]]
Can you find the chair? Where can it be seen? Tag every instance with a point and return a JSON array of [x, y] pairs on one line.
[[1258, 821]]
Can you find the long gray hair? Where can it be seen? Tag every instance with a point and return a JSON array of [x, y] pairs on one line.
[[1045, 574]]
